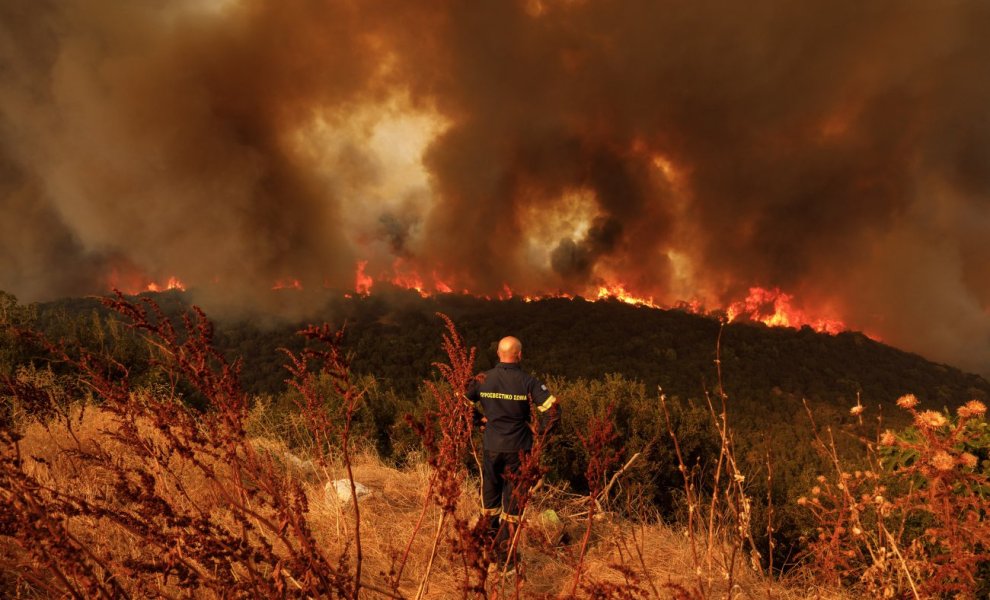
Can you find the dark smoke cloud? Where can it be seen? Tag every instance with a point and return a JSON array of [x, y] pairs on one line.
[[839, 150], [574, 260]]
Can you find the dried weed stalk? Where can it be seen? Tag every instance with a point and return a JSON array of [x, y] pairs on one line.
[[242, 532], [446, 434], [601, 458], [719, 527]]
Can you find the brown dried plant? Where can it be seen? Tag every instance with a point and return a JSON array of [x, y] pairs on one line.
[[912, 521], [446, 433], [330, 360], [601, 458], [719, 508], [243, 532]]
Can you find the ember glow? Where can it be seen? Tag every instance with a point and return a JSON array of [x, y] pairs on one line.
[[818, 163]]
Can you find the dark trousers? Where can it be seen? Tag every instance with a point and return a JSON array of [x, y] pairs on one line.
[[501, 506]]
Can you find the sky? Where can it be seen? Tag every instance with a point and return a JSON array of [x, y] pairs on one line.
[[838, 151]]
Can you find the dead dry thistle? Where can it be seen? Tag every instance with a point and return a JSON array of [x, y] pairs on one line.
[[690, 495], [912, 521]]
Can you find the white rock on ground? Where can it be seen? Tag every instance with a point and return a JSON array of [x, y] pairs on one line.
[[341, 488]]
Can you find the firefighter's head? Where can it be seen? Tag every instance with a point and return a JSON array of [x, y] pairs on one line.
[[509, 349]]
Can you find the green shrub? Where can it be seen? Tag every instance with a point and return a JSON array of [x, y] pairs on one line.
[[640, 425]]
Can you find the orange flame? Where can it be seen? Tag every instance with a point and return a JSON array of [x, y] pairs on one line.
[[287, 284], [440, 286], [408, 278], [173, 283], [362, 281], [774, 308], [402, 275], [769, 306], [537, 298], [618, 292], [130, 280]]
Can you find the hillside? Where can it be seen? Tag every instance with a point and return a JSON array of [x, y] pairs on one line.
[[395, 336]]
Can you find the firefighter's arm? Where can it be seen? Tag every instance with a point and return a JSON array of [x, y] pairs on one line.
[[477, 411], [478, 416], [549, 414], [472, 399]]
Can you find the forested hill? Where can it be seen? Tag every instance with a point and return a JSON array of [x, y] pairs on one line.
[[395, 335]]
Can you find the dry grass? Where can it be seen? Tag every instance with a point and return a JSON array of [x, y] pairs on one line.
[[389, 515]]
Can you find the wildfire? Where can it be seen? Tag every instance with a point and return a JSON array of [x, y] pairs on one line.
[[618, 292], [440, 286], [404, 276], [410, 281], [770, 306], [130, 280], [362, 281], [173, 283], [564, 295], [774, 308]]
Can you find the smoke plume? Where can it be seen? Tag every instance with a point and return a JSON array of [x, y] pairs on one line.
[[837, 150]]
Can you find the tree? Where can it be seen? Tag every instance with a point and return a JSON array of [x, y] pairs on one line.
[[13, 316]]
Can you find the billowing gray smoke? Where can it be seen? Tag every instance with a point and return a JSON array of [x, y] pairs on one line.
[[838, 150]]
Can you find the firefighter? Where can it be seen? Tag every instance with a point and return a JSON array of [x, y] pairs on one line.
[[505, 396]]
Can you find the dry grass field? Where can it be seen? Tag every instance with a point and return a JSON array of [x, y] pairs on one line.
[[655, 557]]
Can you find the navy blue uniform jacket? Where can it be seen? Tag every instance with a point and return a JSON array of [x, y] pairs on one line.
[[504, 397]]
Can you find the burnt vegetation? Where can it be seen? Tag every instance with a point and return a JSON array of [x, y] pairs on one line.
[[146, 452]]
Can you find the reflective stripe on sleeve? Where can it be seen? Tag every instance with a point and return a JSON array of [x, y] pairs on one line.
[[546, 405], [491, 512], [511, 518]]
